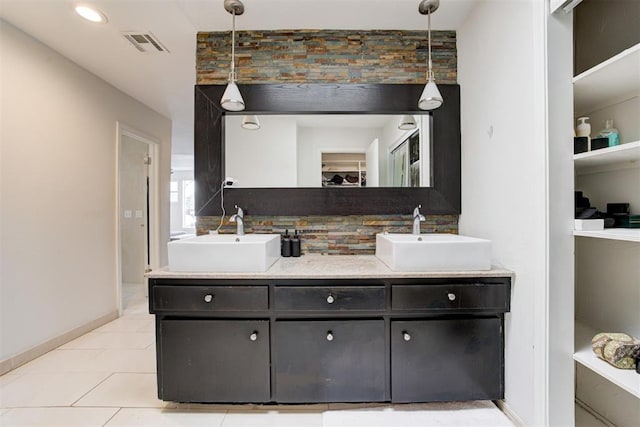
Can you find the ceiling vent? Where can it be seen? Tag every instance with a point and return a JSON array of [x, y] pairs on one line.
[[145, 42]]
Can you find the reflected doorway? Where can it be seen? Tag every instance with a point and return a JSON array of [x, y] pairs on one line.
[[136, 219]]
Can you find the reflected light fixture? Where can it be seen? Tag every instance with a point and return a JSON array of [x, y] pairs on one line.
[[231, 98], [407, 122], [91, 14], [250, 122], [430, 98]]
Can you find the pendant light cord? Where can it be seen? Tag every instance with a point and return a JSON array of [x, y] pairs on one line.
[[232, 74], [429, 63]]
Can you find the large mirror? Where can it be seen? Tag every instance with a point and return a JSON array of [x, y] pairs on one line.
[[441, 156], [331, 151]]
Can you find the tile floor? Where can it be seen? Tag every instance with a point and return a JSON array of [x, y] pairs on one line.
[[107, 378]]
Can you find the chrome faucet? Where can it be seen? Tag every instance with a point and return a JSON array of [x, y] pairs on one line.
[[417, 219], [238, 218]]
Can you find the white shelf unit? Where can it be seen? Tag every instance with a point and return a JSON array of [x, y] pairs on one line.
[[606, 286], [343, 164], [624, 234], [624, 155], [627, 379], [611, 81]]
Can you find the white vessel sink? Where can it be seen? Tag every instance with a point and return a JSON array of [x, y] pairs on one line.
[[224, 253], [433, 252]]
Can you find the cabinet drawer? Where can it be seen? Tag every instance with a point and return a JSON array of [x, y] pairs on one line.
[[329, 298], [468, 296], [329, 361], [210, 298]]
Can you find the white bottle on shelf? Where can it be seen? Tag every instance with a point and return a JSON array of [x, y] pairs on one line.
[[584, 127]]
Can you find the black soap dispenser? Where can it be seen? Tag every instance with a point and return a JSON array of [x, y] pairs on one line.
[[286, 244], [295, 245]]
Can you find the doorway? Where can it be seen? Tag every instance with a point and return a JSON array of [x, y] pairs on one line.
[[136, 215]]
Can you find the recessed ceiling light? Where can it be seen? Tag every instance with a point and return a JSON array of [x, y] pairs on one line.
[[91, 14]]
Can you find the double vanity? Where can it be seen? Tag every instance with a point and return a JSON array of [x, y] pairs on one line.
[[421, 321], [320, 328]]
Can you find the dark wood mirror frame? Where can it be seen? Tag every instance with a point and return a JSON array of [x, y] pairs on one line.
[[443, 197]]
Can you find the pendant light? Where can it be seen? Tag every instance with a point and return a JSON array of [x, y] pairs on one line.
[[430, 98], [231, 99], [407, 122], [250, 122]]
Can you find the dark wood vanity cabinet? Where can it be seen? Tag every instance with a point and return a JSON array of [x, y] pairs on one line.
[[312, 340]]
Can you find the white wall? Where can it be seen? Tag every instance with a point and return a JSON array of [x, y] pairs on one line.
[[58, 191], [261, 158], [313, 141], [501, 73]]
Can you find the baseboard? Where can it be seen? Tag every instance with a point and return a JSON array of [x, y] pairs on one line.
[[515, 419], [26, 356]]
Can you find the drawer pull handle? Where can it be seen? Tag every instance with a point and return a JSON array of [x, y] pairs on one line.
[[331, 299], [406, 336], [208, 298], [329, 336], [253, 336], [452, 296]]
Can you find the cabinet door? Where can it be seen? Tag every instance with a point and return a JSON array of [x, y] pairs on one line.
[[441, 360], [329, 361], [214, 361]]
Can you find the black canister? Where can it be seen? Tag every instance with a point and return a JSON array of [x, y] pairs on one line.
[[286, 245], [295, 245]]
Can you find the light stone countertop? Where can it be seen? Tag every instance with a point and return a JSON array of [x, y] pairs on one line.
[[316, 266]]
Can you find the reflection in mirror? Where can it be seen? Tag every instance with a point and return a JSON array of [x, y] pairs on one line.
[[330, 151]]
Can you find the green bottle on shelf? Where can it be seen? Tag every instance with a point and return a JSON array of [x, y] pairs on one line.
[[610, 133]]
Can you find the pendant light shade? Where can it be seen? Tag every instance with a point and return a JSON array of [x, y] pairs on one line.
[[231, 98], [250, 122], [407, 123], [430, 98]]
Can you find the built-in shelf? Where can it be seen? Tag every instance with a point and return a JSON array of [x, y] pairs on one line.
[[343, 169], [611, 81], [626, 234], [621, 155], [626, 379]]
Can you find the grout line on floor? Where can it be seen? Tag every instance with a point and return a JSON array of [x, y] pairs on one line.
[[224, 417], [92, 388], [112, 416]]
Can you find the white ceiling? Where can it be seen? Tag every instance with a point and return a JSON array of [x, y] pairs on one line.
[[165, 82]]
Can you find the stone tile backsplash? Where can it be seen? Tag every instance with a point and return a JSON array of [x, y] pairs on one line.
[[333, 235], [326, 56]]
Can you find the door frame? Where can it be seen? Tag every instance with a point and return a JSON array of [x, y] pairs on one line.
[[153, 225]]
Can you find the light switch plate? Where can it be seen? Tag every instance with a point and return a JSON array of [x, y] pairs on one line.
[[127, 214], [138, 214]]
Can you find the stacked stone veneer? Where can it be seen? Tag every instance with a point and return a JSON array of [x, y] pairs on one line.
[[334, 235], [328, 56]]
